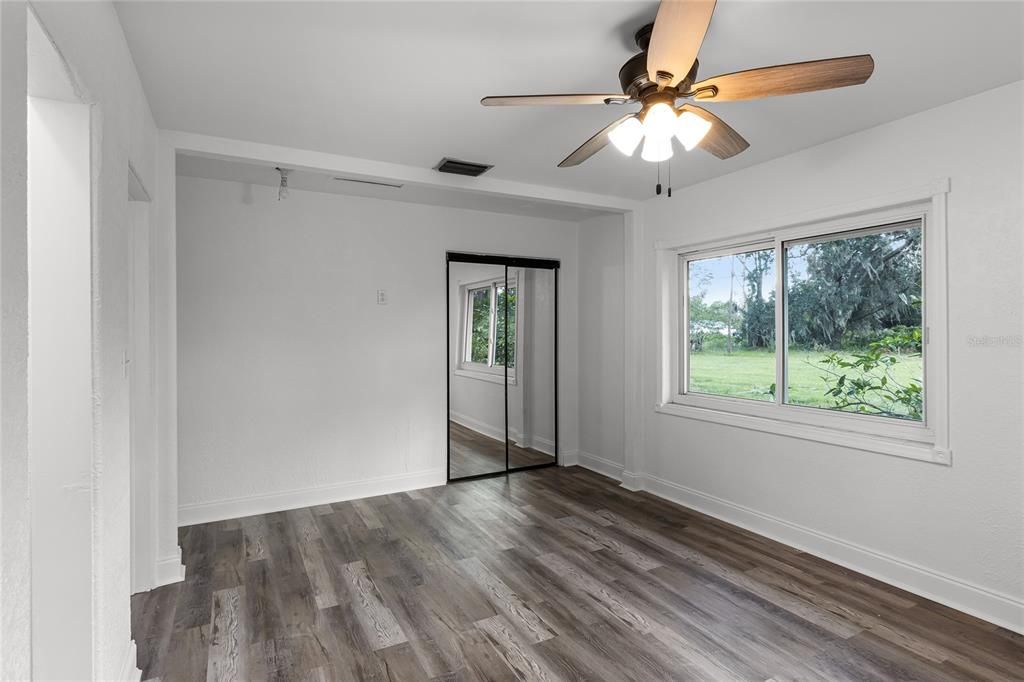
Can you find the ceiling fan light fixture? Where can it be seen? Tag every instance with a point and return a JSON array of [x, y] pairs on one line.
[[627, 135], [660, 122], [665, 71], [691, 129], [657, 149]]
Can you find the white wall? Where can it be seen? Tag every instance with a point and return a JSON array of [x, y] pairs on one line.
[[15, 567], [60, 387], [294, 385], [956, 532], [142, 379], [90, 39], [601, 351], [531, 408]]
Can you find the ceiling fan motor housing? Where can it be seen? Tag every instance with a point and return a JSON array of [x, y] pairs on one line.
[[633, 75]]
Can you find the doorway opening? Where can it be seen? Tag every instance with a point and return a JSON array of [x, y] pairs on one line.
[[502, 364]]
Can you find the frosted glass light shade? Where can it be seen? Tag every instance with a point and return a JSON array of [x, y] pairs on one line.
[[691, 129], [627, 135], [657, 148], [660, 122]]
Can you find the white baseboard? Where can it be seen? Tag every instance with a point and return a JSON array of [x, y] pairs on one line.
[[1001, 609], [169, 570], [539, 443], [129, 667], [219, 510], [488, 430], [632, 481], [601, 465]]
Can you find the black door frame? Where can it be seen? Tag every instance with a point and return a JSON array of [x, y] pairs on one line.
[[507, 261]]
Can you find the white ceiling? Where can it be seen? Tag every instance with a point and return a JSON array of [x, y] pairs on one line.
[[253, 173], [401, 81]]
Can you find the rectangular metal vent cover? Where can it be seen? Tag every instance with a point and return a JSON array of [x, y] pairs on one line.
[[462, 167]]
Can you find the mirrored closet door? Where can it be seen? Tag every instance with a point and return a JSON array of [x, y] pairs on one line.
[[531, 368], [502, 364]]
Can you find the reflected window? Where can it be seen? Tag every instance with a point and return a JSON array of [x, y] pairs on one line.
[[490, 309]]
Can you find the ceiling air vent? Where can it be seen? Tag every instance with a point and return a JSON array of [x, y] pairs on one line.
[[462, 167]]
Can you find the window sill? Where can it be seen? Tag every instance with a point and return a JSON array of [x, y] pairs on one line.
[[858, 441], [491, 377]]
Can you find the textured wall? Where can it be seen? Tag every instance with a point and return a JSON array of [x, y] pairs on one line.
[[601, 353], [291, 377], [964, 522]]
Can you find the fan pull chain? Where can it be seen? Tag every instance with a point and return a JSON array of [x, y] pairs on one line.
[[657, 188], [670, 179]]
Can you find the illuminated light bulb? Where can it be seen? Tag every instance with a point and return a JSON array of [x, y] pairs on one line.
[[660, 122], [627, 135], [657, 148], [691, 129]]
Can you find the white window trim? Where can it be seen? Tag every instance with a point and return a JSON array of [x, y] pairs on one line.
[[477, 370], [927, 441]]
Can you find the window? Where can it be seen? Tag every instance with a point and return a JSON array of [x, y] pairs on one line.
[[490, 310], [732, 324], [851, 317], [478, 349], [831, 328]]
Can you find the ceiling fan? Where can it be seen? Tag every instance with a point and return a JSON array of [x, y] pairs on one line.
[[665, 71]]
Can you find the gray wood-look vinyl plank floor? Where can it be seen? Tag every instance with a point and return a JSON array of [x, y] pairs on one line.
[[554, 574]]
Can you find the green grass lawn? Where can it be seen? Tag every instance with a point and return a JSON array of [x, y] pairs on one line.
[[750, 374]]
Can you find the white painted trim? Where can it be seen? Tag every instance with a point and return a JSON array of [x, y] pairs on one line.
[[907, 449], [1001, 609], [480, 375], [489, 430], [601, 465], [129, 667], [350, 166], [168, 570], [236, 507], [164, 321], [632, 481], [545, 445]]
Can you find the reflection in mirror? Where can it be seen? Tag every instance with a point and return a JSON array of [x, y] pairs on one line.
[[530, 331], [477, 343]]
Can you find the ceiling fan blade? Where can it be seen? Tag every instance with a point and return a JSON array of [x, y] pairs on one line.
[[678, 33], [593, 145], [533, 100], [786, 79], [721, 140]]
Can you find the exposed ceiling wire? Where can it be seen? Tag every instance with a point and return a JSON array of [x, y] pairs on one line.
[[282, 191]]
